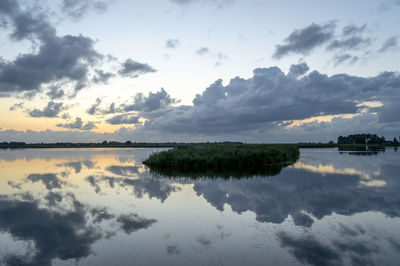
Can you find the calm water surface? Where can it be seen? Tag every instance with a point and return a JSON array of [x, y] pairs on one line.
[[103, 207]]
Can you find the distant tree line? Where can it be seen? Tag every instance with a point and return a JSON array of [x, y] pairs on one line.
[[112, 144], [365, 139]]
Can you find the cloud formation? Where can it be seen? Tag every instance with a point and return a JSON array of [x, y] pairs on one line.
[[349, 46], [172, 43], [203, 51], [78, 124], [389, 44], [133, 69], [55, 92], [78, 8], [304, 40], [102, 77], [59, 58], [218, 3], [93, 108], [124, 119], [51, 110], [151, 102], [132, 222], [269, 106]]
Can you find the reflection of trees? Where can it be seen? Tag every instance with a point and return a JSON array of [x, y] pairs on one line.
[[361, 150], [266, 170]]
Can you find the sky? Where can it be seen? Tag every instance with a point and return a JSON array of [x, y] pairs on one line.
[[198, 70]]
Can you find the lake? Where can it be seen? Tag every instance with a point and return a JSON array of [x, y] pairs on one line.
[[103, 207]]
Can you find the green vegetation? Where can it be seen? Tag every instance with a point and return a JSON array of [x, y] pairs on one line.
[[223, 160]]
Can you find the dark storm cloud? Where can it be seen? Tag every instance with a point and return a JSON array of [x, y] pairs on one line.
[[133, 69], [51, 110], [78, 8], [304, 40], [78, 124], [124, 119], [67, 58], [172, 43], [389, 44], [151, 102], [132, 222]]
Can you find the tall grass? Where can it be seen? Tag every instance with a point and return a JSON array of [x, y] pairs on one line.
[[243, 159]]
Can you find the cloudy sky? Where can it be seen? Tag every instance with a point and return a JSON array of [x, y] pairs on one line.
[[198, 70]]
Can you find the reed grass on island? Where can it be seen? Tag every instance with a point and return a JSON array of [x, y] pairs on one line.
[[223, 160]]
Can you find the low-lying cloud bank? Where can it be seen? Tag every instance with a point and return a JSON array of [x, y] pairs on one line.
[[263, 108]]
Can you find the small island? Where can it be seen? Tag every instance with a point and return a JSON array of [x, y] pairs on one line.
[[223, 160]]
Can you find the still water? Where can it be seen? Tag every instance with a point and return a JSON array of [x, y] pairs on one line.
[[103, 207]]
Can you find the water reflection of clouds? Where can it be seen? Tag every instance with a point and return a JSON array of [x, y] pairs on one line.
[[351, 244], [78, 166], [299, 193], [60, 227], [144, 185], [367, 178], [318, 190]]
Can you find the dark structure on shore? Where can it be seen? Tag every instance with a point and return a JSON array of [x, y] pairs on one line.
[[365, 139]]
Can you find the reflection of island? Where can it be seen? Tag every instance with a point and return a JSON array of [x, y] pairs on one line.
[[362, 150], [266, 170]]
